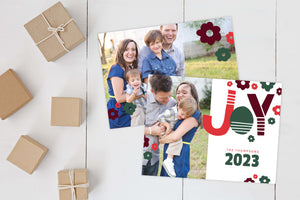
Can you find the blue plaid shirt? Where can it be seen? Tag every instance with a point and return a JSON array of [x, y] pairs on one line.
[[141, 101]]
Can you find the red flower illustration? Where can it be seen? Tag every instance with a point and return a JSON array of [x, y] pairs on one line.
[[118, 105], [230, 38], [254, 86], [255, 176], [276, 110], [146, 141], [242, 84], [229, 83], [113, 114], [202, 32], [249, 180], [279, 91], [154, 146]]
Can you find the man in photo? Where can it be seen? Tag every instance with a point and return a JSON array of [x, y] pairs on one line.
[[159, 98]]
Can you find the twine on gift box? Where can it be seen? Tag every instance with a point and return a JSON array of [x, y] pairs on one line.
[[55, 31], [72, 186]]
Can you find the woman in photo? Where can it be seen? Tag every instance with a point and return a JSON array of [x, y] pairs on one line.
[[126, 58], [185, 129]]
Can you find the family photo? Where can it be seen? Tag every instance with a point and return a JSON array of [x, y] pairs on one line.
[[148, 79], [175, 144], [194, 49]]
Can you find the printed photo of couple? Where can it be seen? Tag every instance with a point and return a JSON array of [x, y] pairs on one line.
[[141, 70], [174, 142]]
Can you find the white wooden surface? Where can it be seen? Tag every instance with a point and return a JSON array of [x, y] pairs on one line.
[[288, 73], [66, 77], [267, 49]]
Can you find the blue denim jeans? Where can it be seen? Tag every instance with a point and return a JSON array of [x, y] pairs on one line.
[[150, 169]]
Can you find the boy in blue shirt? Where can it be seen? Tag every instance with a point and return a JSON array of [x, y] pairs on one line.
[[157, 62]]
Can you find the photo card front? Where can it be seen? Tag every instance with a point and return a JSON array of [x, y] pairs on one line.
[[202, 48]]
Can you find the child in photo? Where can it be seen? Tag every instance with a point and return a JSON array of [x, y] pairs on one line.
[[185, 109], [136, 93], [157, 62]]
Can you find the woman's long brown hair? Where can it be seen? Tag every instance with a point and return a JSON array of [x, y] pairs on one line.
[[119, 59], [194, 95]]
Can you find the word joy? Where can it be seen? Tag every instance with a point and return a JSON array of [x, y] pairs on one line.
[[238, 125]]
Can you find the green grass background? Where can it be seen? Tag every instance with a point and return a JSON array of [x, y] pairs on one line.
[[204, 67]]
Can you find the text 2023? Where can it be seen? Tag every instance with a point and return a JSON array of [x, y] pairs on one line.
[[245, 159]]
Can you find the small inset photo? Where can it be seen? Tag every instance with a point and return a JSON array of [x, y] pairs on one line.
[[175, 143]]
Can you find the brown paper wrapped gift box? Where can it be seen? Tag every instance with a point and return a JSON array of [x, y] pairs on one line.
[[79, 183], [13, 94], [27, 154], [65, 111], [56, 24]]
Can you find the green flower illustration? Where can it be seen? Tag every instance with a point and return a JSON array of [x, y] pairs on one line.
[[223, 54]]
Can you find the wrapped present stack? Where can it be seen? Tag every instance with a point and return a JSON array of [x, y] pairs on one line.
[[73, 184], [54, 32]]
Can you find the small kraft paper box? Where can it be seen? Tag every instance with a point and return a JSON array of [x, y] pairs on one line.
[[65, 111], [27, 154], [54, 32], [13, 94], [73, 184]]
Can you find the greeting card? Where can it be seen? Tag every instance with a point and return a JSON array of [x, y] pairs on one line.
[[213, 129], [243, 129]]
